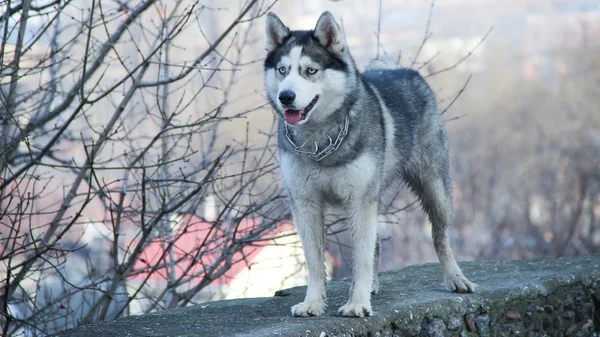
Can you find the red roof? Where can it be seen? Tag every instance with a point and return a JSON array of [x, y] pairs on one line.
[[201, 245]]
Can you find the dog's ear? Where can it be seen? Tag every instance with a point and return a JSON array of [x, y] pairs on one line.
[[275, 31], [329, 34]]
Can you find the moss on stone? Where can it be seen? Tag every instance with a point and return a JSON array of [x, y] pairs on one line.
[[412, 302]]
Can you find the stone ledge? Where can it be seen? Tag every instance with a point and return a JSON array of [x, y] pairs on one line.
[[514, 298]]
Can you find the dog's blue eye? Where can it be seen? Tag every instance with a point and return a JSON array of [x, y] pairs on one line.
[[311, 71], [281, 70]]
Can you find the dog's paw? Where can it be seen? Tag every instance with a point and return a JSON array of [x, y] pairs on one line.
[[356, 310], [458, 283], [308, 308]]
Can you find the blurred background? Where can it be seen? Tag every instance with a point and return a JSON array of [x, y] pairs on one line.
[[138, 154]]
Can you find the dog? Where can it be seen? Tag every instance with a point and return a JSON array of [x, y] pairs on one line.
[[343, 137]]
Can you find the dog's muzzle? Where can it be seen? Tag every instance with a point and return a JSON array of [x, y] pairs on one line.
[[293, 117]]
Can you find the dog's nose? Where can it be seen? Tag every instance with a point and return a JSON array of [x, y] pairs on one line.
[[287, 97]]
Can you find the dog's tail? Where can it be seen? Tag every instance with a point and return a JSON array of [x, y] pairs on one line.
[[382, 64]]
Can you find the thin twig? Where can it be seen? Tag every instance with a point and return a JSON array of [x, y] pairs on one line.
[[426, 35], [457, 95], [378, 30], [464, 57]]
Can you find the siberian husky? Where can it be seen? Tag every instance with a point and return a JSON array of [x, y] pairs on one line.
[[343, 137]]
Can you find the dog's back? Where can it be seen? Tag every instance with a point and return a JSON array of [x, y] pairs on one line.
[[413, 117], [404, 92]]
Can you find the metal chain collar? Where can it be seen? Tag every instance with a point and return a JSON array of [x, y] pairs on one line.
[[317, 155]]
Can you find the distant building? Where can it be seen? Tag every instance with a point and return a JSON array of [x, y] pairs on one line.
[[259, 269]]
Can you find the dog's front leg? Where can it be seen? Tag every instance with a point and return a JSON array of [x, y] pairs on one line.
[[363, 225], [308, 219]]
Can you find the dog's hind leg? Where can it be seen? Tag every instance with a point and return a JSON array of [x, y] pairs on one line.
[[308, 220], [431, 183]]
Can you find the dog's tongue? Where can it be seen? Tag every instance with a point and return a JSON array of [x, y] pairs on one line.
[[292, 116]]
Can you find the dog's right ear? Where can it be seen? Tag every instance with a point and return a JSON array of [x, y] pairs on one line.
[[276, 32]]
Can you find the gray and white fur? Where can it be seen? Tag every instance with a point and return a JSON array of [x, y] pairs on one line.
[[394, 131]]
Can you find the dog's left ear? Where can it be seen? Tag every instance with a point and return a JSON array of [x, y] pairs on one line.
[[329, 34], [275, 31]]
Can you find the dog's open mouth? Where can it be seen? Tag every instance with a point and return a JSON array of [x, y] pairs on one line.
[[295, 116]]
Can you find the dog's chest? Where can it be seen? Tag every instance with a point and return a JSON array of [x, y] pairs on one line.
[[339, 184]]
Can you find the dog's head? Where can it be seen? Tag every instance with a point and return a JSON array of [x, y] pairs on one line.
[[305, 71]]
